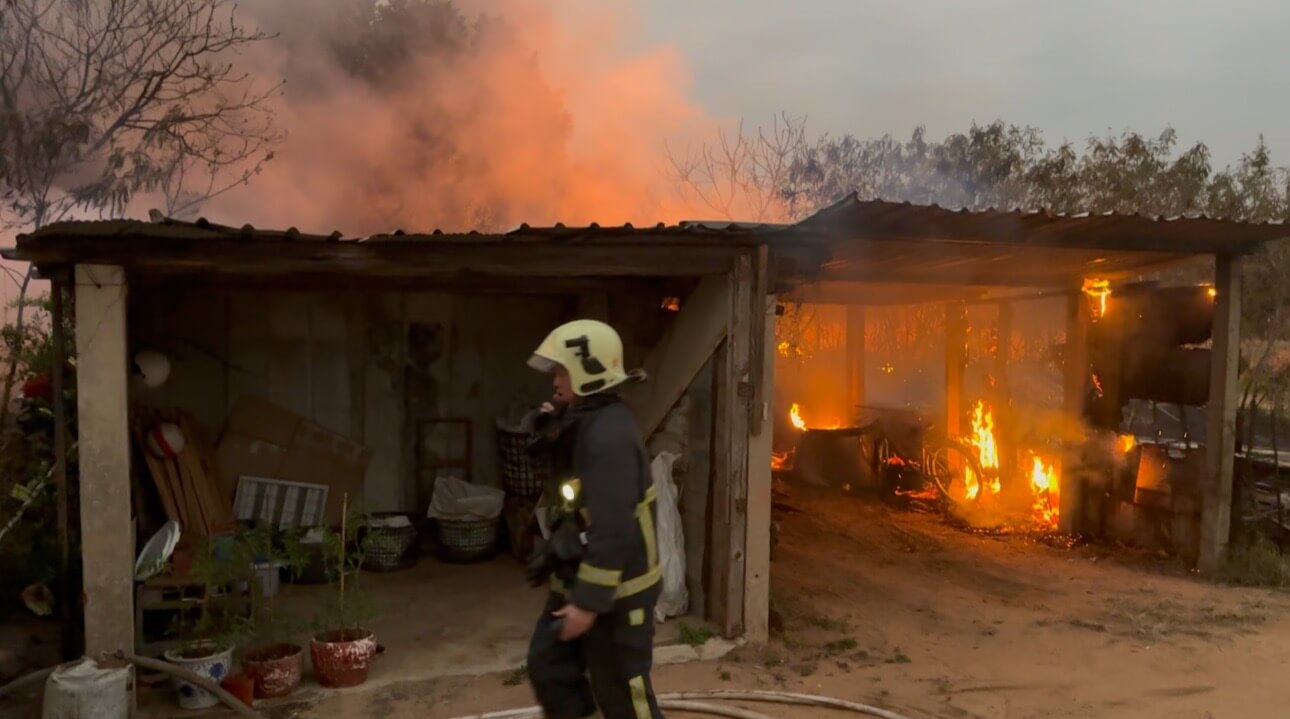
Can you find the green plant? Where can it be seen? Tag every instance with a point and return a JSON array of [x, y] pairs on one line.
[[347, 608], [695, 636], [1257, 564], [218, 567], [262, 545], [840, 646], [516, 677]]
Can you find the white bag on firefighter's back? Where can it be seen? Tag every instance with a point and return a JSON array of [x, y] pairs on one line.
[[675, 598], [456, 499]]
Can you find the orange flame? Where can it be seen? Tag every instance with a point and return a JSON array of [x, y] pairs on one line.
[[1127, 442], [795, 416], [1045, 488], [1098, 292], [987, 452]]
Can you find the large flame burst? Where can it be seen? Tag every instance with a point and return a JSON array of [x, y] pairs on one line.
[[987, 452], [1042, 477], [1044, 487]]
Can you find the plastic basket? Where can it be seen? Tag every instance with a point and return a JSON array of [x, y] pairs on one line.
[[522, 475], [386, 549], [466, 540]]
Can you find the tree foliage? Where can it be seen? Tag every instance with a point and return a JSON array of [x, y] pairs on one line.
[[100, 101]]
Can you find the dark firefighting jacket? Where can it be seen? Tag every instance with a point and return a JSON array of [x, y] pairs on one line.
[[617, 504]]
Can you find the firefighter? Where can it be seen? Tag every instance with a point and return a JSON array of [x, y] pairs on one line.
[[592, 649]]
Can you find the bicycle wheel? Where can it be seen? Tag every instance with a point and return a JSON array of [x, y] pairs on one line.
[[954, 468]]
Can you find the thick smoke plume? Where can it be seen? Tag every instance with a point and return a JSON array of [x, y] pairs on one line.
[[464, 116]]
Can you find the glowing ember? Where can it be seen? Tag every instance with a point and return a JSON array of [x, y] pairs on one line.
[[779, 460], [671, 304], [1097, 386], [1126, 443], [888, 368], [1098, 291], [987, 452], [795, 416], [1045, 488], [1213, 292]]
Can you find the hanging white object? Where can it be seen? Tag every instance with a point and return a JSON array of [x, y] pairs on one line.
[[153, 368], [166, 440], [85, 690], [157, 552], [675, 598], [456, 500]]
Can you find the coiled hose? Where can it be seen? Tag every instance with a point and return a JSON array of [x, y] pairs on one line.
[[698, 702]]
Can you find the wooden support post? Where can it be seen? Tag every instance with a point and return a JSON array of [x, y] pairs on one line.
[[757, 571], [855, 360], [107, 545], [1003, 353], [677, 358], [955, 364], [730, 453], [1076, 370], [1002, 399], [1220, 435]]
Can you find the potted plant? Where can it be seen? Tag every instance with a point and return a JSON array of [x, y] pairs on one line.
[[206, 646], [272, 662], [342, 648]]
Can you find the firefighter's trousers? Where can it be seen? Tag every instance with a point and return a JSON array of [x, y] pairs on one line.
[[617, 652]]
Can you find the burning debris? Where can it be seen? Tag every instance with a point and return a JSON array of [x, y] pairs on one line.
[[971, 479]]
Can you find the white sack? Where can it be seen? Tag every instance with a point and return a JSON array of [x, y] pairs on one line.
[[455, 499], [675, 598]]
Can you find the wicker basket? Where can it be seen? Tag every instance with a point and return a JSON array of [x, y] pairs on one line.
[[466, 540], [387, 549], [522, 475]]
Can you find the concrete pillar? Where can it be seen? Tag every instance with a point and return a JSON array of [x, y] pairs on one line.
[[107, 545], [1220, 434]]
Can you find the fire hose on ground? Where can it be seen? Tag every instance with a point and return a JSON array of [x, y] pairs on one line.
[[699, 703], [694, 702]]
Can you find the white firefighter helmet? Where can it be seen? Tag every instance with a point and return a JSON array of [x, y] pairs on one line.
[[153, 368], [590, 351]]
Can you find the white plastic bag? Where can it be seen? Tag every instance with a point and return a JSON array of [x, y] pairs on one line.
[[456, 499], [675, 598], [84, 690]]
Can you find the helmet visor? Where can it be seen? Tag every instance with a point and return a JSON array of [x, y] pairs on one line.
[[542, 364]]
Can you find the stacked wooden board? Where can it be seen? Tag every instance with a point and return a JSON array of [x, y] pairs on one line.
[[186, 483]]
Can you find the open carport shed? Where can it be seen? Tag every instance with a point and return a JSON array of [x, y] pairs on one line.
[[728, 277]]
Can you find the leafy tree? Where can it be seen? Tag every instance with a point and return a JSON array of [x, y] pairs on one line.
[[101, 101]]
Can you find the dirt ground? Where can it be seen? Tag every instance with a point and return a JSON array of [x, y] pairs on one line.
[[900, 610]]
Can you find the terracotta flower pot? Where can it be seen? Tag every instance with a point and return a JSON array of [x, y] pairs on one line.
[[240, 686], [275, 669], [341, 656]]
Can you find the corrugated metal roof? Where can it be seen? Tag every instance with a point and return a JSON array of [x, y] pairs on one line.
[[202, 229], [853, 219], [853, 240]]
